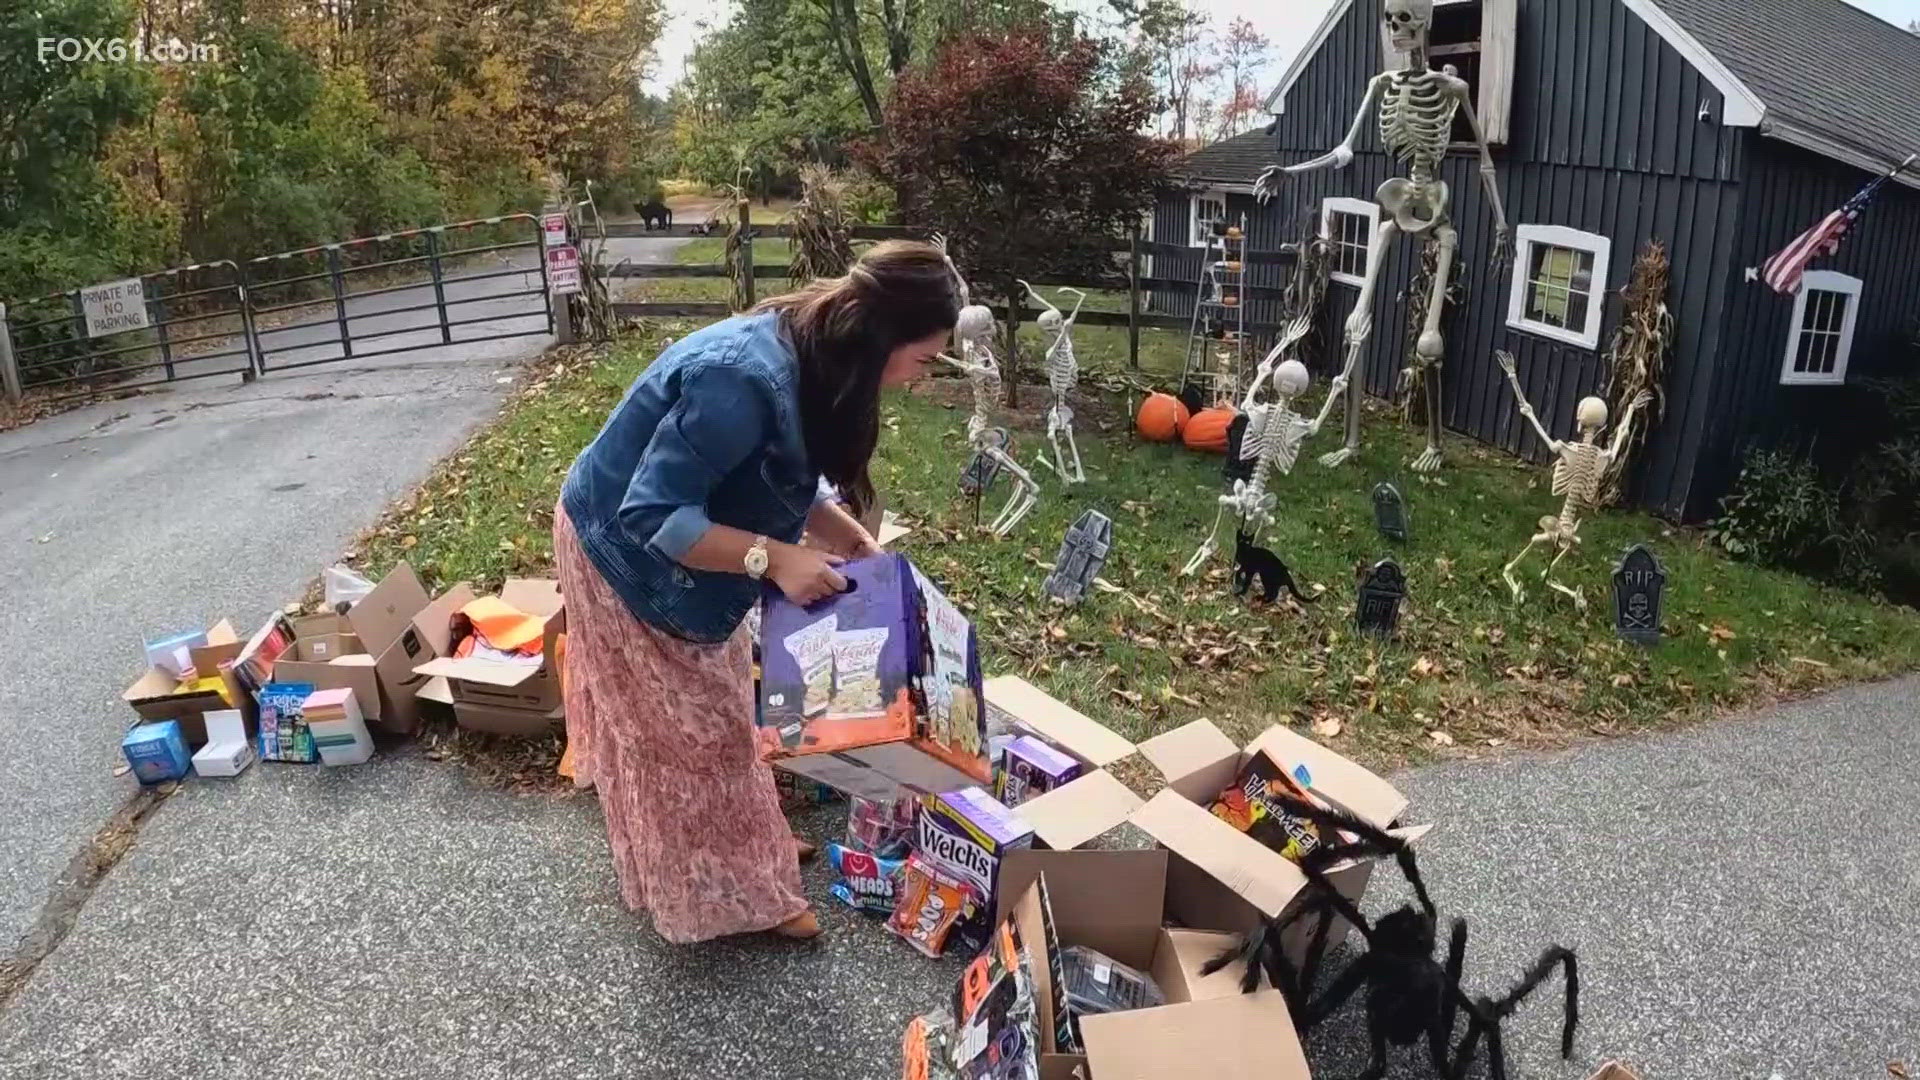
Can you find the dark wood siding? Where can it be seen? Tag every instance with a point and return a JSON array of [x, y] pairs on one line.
[[1606, 138], [1172, 224], [1787, 190]]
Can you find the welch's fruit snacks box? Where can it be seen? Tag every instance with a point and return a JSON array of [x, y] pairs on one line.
[[884, 678], [968, 833]]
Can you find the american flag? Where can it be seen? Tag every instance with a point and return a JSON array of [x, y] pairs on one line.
[[1782, 273]]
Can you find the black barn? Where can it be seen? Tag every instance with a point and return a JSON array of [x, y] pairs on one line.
[[1723, 128]]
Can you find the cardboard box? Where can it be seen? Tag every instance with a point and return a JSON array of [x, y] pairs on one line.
[[885, 676], [1221, 878], [402, 628], [1032, 767], [158, 695], [227, 752], [1115, 902], [489, 688], [157, 752], [514, 723]]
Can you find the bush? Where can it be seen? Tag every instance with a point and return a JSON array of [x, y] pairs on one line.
[[1781, 513]]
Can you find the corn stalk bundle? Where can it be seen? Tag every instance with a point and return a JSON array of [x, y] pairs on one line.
[[1637, 358], [821, 243]]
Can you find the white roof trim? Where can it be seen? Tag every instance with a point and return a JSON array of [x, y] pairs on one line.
[[1277, 101], [1744, 108]]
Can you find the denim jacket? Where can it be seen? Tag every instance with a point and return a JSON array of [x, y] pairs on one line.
[[709, 434]]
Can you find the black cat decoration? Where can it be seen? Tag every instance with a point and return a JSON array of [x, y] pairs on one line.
[[656, 215], [1251, 561]]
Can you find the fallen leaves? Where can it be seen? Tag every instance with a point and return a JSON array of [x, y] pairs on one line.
[[1328, 727], [1440, 737]]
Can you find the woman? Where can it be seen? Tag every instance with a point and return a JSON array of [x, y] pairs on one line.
[[700, 485]]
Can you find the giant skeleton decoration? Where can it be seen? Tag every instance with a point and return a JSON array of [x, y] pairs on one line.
[[1063, 372], [974, 331], [1417, 108], [1272, 441], [1576, 474]]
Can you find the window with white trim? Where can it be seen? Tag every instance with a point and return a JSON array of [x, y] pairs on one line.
[[1349, 226], [1821, 339], [1559, 283], [1205, 209]]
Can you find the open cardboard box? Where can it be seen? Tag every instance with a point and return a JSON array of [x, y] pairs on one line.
[[1114, 902], [1221, 878], [401, 627], [492, 695], [157, 695]]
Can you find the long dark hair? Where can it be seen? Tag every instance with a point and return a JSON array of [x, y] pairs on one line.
[[842, 330]]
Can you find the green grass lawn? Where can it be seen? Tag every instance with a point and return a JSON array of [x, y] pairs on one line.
[[1468, 669]]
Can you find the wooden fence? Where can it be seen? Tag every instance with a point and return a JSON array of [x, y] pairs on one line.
[[1127, 276]]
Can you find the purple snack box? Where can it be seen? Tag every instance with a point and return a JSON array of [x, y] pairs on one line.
[[967, 833], [1034, 768], [840, 673]]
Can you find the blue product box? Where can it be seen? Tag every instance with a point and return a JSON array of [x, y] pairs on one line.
[[157, 752]]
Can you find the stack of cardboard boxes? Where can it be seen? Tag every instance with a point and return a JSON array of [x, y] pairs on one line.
[[392, 650]]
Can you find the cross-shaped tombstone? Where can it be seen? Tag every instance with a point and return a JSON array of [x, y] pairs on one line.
[[1083, 551], [1389, 512], [1377, 610], [982, 469], [1638, 585]]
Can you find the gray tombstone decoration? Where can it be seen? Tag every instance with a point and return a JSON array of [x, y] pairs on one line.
[[1377, 610], [1389, 511], [1638, 585], [982, 468], [1083, 551]]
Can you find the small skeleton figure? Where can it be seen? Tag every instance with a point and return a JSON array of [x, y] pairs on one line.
[[1417, 107], [1576, 475], [1272, 441], [977, 362], [1063, 371]]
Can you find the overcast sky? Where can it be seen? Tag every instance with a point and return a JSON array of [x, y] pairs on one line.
[[1286, 22]]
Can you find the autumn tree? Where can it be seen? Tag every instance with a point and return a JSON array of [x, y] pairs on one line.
[[1025, 154], [1243, 55]]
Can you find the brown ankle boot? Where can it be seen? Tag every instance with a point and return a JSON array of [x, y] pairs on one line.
[[805, 848], [801, 927]]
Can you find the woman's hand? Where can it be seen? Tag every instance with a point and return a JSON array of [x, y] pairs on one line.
[[804, 574], [830, 526]]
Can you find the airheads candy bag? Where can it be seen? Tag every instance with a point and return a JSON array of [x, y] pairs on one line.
[[930, 904], [865, 883]]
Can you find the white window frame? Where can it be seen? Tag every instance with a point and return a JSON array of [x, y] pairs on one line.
[[1358, 208], [1823, 281], [1194, 239], [1525, 238]]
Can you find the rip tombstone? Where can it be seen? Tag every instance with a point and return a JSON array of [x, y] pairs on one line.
[[1083, 551], [1377, 610], [982, 469], [1389, 512], [1638, 585]]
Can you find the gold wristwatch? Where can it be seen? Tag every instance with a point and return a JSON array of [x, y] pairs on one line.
[[756, 560]]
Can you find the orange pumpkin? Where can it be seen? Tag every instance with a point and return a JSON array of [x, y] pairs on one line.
[[1161, 419], [1233, 232], [1207, 430]]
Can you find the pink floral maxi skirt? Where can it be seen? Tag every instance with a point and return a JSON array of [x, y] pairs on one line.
[[663, 730]]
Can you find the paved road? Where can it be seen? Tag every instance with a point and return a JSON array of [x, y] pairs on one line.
[[1741, 896], [210, 499]]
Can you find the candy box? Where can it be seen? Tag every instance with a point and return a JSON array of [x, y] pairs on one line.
[[157, 752], [1030, 767], [881, 679], [967, 833], [284, 735]]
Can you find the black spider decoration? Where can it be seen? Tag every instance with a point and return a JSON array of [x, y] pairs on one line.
[[1410, 996]]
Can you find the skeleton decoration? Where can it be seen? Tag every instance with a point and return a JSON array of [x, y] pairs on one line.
[[1063, 372], [974, 331], [1083, 551], [1271, 441], [1416, 108], [1577, 473]]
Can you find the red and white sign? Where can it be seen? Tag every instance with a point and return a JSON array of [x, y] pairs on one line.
[[563, 269], [554, 228]]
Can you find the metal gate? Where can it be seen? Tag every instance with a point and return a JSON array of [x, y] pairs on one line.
[[452, 284], [196, 324]]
